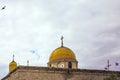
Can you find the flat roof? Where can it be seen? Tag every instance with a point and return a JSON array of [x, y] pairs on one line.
[[57, 70]]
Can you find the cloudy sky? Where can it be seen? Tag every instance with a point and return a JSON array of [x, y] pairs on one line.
[[91, 28]]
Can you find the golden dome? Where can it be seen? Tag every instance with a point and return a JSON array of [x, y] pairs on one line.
[[12, 65], [62, 53]]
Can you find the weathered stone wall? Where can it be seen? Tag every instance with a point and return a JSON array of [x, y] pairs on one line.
[[45, 73]]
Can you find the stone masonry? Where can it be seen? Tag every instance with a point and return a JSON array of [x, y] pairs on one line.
[[46, 73]]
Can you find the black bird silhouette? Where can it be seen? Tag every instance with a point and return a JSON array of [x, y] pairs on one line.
[[3, 7]]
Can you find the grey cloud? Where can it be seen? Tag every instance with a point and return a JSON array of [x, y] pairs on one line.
[[87, 25], [108, 44]]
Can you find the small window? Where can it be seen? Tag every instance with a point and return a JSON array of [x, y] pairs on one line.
[[62, 65], [70, 65]]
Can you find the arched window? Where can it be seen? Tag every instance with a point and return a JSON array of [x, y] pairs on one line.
[[70, 65]]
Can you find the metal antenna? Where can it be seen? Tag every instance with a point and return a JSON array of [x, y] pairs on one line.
[[27, 62]]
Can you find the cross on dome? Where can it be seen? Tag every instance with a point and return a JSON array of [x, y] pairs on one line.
[[62, 41], [13, 57]]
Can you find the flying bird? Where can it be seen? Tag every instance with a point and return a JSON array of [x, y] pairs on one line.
[[3, 7]]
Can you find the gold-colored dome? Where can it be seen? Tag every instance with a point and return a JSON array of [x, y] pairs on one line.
[[62, 53], [12, 66]]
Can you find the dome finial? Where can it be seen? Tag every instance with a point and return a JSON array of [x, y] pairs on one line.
[[13, 57], [62, 41]]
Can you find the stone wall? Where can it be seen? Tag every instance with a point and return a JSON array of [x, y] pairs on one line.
[[45, 73]]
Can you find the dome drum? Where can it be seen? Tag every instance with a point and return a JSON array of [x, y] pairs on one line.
[[63, 64]]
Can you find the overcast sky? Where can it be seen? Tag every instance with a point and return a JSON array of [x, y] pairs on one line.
[[91, 28]]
